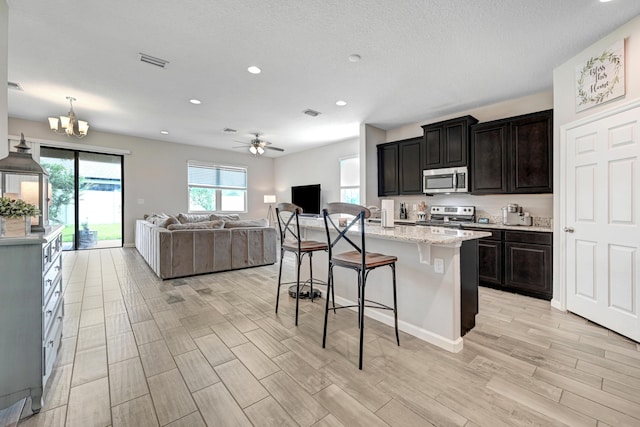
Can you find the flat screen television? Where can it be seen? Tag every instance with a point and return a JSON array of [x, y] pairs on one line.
[[308, 198]]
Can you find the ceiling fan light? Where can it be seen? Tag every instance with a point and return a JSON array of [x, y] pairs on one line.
[[260, 150], [53, 123], [253, 150]]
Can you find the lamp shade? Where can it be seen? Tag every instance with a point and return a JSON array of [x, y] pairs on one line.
[[269, 198]]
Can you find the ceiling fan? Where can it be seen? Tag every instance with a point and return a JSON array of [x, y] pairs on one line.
[[257, 145]]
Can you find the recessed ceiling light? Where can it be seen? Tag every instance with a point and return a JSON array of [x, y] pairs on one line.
[[164, 132], [605, 1], [341, 103], [195, 101], [355, 57], [254, 70]]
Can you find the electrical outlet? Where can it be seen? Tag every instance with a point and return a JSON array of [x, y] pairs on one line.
[[438, 265]]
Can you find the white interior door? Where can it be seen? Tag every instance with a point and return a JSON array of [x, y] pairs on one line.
[[602, 221]]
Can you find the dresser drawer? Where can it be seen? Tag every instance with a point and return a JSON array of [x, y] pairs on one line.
[[49, 310], [51, 343], [49, 279]]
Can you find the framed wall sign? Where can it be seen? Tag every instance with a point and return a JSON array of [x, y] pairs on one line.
[[601, 78]]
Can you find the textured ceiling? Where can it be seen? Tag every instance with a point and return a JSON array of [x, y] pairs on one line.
[[421, 59]]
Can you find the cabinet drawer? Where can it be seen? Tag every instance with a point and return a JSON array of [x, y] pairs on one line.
[[51, 343], [49, 278], [528, 237], [51, 307]]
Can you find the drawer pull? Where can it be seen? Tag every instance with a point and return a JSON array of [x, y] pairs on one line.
[[49, 282], [49, 312], [57, 267], [50, 343], [56, 293], [59, 318], [569, 230]]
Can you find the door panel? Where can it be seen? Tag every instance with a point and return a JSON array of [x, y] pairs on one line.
[[602, 209]]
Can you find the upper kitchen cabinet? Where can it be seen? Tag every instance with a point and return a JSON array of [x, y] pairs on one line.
[[400, 168], [388, 181], [513, 155], [410, 170], [446, 144]]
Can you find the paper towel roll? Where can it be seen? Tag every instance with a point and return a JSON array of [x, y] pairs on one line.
[[387, 205]]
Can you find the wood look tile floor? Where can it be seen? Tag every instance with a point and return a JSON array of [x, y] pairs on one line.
[[209, 350]]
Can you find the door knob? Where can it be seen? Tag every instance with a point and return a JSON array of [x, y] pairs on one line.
[[569, 230]]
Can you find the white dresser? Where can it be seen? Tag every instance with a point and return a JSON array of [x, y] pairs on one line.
[[31, 313]]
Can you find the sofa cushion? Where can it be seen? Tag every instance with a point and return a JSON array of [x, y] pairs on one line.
[[202, 225], [246, 223], [226, 217], [188, 218]]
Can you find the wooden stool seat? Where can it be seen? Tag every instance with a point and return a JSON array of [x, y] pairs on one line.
[[371, 260], [305, 246]]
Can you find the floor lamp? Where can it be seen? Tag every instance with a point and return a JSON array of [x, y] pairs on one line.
[[271, 216]]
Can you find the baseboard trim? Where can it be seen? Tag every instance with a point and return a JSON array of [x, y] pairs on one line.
[[453, 346], [129, 245]]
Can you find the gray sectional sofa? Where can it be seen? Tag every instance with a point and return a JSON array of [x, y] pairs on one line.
[[186, 245]]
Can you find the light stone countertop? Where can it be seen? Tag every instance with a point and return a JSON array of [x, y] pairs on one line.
[[511, 227], [495, 226], [407, 233]]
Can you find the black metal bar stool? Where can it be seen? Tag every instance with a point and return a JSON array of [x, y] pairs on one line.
[[359, 259], [290, 241]]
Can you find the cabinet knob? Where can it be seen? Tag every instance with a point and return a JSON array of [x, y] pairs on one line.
[[50, 343], [57, 268], [49, 312], [49, 282], [56, 293], [569, 230]]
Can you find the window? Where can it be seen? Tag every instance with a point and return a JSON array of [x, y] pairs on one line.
[[214, 188], [350, 180]]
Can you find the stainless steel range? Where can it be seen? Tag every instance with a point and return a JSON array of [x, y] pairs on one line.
[[450, 216]]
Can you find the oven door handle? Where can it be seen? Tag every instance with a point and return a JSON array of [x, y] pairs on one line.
[[455, 181]]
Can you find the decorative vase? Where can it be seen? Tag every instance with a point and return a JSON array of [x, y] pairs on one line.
[[15, 227]]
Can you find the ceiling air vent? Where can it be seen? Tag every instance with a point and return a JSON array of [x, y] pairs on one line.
[[14, 86], [312, 113], [153, 60]]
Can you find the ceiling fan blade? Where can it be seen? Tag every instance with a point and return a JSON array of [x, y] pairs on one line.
[[274, 148], [242, 142], [240, 146]]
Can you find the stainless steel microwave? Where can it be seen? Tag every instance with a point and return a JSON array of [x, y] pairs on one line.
[[445, 180]]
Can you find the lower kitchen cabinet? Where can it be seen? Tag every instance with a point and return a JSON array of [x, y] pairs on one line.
[[31, 315], [516, 261], [527, 263]]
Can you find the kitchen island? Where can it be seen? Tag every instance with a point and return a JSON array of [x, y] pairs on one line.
[[437, 278]]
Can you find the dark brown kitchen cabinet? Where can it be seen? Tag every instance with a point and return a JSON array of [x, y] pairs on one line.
[[528, 263], [388, 181], [516, 261], [513, 155], [400, 167], [446, 143], [410, 167]]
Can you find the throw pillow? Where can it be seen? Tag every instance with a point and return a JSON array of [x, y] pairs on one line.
[[202, 225], [226, 217], [246, 223], [188, 218], [168, 221]]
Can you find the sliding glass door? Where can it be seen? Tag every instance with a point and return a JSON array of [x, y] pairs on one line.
[[86, 197]]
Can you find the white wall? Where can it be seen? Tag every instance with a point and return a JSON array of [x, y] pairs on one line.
[[488, 205], [4, 53], [316, 166], [156, 171]]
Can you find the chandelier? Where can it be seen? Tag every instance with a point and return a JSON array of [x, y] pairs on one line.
[[70, 125]]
